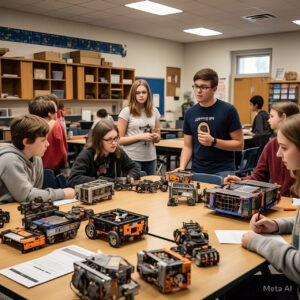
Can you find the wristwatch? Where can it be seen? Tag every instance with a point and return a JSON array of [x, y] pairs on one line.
[[214, 142]]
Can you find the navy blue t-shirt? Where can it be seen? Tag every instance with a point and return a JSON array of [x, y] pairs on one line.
[[222, 119]]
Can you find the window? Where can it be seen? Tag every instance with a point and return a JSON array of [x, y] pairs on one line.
[[253, 64]]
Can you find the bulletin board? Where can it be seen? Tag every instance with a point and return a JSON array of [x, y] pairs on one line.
[[157, 86]]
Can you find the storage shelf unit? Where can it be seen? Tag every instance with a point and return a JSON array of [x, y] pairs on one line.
[[284, 91], [23, 79]]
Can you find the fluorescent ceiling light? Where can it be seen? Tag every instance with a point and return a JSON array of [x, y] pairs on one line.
[[296, 22], [202, 31], [154, 8]]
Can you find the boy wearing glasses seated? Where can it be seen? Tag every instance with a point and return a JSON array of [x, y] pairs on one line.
[[212, 130], [102, 158]]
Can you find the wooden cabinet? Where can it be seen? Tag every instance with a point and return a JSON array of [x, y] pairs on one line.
[[25, 79], [284, 91]]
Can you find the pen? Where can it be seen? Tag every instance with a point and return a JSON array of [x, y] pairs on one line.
[[259, 212]]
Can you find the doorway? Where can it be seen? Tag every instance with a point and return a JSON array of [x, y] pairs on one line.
[[244, 89]]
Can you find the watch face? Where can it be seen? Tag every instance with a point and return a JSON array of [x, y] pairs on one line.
[[203, 127]]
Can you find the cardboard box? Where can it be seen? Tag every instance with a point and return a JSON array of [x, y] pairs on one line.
[[48, 55], [87, 60], [89, 78], [85, 53], [37, 93], [39, 73]]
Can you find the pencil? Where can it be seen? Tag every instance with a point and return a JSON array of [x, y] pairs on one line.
[[259, 212]]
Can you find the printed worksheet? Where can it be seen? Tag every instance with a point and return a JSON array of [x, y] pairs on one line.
[[48, 267], [64, 201], [235, 236]]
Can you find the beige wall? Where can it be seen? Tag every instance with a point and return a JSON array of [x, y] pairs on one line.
[[216, 54]]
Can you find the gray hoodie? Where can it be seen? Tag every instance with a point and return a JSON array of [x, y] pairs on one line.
[[284, 257], [21, 178]]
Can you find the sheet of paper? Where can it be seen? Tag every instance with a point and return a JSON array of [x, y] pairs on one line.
[[296, 202], [235, 236], [48, 267], [64, 201]]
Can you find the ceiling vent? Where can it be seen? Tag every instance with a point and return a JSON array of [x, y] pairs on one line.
[[259, 18]]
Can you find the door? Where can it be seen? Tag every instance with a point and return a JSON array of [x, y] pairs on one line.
[[244, 89]]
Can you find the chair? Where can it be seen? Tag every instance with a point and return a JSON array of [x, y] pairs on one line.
[[248, 161], [161, 161], [178, 124], [83, 131], [170, 136], [208, 178], [61, 180], [50, 179], [74, 130]]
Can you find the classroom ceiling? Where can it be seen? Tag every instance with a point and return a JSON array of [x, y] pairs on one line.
[[220, 15]]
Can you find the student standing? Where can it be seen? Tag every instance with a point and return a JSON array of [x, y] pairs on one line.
[[134, 123], [270, 167], [212, 130], [284, 257], [21, 172], [102, 114], [102, 158]]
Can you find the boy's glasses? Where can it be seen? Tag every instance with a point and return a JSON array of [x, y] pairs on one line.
[[142, 92], [111, 140], [201, 87]]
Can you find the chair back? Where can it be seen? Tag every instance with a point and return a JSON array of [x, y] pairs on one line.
[[49, 179], [61, 180], [178, 124], [170, 136], [83, 131], [208, 178], [74, 130], [248, 161]]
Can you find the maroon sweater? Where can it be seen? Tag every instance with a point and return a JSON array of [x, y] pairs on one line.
[[55, 156], [271, 167]]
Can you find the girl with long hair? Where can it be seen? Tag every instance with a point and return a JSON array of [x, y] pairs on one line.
[[284, 257], [270, 167], [139, 125], [102, 158]]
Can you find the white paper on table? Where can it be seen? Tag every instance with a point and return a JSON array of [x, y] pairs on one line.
[[64, 201], [296, 202], [48, 267], [235, 236]]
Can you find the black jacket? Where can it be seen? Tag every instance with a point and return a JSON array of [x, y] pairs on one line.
[[260, 124], [86, 169]]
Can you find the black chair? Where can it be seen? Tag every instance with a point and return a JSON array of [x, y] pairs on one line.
[[208, 178], [50, 179], [249, 160]]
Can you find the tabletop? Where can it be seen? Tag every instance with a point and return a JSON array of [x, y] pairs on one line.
[[235, 262]]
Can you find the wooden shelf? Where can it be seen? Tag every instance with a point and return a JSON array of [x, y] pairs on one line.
[[73, 83]]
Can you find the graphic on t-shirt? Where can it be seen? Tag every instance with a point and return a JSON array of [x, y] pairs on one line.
[[203, 127]]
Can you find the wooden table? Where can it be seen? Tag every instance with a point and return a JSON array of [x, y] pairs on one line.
[[236, 263]]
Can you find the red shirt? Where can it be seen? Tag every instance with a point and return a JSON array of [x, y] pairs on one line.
[[271, 168], [56, 154]]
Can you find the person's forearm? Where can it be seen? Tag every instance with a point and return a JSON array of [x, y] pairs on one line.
[[185, 157], [230, 145], [127, 140]]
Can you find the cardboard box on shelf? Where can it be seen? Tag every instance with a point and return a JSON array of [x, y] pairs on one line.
[[87, 60], [39, 74], [89, 78], [37, 93], [48, 55], [85, 53]]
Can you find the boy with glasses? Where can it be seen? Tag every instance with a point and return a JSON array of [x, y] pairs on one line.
[[212, 130]]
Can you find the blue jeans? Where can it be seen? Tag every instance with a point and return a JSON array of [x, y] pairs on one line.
[[148, 166]]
